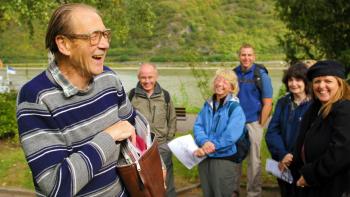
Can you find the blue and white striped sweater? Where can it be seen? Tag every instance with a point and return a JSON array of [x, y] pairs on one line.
[[62, 139]]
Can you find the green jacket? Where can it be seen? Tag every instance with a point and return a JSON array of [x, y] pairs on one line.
[[160, 114]]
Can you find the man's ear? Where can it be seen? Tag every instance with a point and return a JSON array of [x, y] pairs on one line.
[[63, 44]]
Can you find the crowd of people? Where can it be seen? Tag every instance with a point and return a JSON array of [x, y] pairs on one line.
[[74, 116]]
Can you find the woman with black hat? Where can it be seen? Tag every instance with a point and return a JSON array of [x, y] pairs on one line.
[[321, 163]]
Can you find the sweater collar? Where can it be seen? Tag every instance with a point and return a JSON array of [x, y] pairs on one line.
[[291, 99]]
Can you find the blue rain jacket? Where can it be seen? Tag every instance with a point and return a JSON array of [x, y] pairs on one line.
[[220, 128]]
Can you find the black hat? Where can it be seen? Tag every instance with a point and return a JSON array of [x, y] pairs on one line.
[[326, 68]]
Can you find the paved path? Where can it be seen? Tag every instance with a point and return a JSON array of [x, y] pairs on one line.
[[15, 192]]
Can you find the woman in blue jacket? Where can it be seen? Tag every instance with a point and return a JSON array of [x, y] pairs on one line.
[[284, 126], [218, 126]]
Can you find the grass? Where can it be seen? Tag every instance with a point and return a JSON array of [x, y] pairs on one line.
[[14, 171]]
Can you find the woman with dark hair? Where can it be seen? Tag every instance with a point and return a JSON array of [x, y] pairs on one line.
[[284, 126], [321, 164]]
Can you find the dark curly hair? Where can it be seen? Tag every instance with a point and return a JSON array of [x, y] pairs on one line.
[[298, 71]]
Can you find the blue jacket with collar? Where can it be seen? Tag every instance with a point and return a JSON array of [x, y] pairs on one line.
[[220, 128], [283, 129], [249, 94]]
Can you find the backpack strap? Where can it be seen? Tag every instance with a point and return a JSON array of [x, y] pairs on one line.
[[257, 76], [243, 143], [131, 94], [167, 101], [166, 96], [232, 107]]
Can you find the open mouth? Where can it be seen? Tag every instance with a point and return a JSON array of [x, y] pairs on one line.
[[97, 57]]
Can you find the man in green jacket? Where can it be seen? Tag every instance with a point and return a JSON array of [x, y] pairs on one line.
[[155, 104]]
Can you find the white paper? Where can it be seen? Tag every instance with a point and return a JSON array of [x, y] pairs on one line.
[[183, 148], [272, 167]]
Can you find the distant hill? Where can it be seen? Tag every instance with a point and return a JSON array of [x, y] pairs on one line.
[[184, 30]]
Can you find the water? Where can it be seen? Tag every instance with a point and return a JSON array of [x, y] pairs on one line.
[[170, 78]]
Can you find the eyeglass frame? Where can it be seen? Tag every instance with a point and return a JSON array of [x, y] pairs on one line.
[[106, 34]]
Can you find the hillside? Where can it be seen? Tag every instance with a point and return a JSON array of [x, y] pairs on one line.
[[181, 30]]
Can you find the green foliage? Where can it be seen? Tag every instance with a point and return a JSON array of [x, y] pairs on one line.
[[183, 100], [161, 30], [317, 29], [21, 12], [8, 124], [131, 21], [162, 59], [184, 95], [14, 171], [202, 80]]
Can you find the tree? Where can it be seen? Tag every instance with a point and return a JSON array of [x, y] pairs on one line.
[[24, 12], [129, 19], [317, 29]]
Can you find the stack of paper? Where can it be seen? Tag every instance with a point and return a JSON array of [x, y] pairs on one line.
[[272, 167], [183, 148]]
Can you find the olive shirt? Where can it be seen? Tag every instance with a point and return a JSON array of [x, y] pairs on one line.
[[160, 114]]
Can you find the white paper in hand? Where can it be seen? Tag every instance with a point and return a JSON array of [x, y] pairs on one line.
[[183, 148], [272, 167]]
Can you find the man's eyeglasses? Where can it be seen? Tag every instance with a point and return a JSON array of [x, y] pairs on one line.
[[94, 37]]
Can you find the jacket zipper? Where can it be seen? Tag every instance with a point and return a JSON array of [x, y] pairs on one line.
[[217, 123], [154, 113]]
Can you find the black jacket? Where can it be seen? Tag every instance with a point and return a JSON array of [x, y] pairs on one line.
[[327, 151]]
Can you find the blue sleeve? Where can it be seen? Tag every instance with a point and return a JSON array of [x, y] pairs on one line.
[[267, 90], [233, 130], [273, 135], [200, 135]]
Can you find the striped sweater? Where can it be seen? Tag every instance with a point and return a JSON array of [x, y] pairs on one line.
[[62, 136]]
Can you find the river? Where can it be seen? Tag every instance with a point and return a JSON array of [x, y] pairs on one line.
[[179, 81]]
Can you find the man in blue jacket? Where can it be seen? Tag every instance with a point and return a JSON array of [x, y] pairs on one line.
[[257, 104]]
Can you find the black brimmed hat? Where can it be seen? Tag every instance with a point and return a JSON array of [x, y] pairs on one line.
[[326, 68]]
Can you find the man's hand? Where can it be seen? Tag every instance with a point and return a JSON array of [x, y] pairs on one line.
[[121, 130]]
